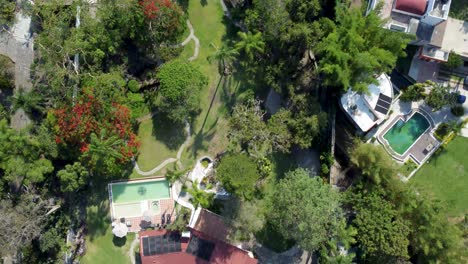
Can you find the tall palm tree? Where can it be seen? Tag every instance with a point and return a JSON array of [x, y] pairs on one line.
[[223, 55], [103, 148], [250, 43]]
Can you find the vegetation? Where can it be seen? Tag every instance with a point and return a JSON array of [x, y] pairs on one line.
[[457, 110], [415, 92], [179, 90], [305, 209], [357, 49], [444, 176], [238, 174], [454, 61], [439, 97]]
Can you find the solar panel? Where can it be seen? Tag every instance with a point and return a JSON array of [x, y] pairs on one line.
[[383, 104], [200, 248], [385, 98], [145, 247], [155, 245], [381, 110]]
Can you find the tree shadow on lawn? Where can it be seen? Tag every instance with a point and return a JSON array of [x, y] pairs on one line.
[[169, 133], [119, 241], [201, 138]]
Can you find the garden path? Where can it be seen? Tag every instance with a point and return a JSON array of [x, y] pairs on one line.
[[190, 37], [169, 160], [131, 252]]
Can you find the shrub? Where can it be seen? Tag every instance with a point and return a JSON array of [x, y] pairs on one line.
[[133, 86], [442, 130], [414, 92], [457, 110]]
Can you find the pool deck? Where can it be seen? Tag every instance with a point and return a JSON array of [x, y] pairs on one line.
[[418, 151], [136, 224]]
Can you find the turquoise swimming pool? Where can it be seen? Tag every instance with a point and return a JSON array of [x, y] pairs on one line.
[[141, 190], [403, 134]]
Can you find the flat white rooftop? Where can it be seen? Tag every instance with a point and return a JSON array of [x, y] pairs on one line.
[[456, 37], [361, 108]]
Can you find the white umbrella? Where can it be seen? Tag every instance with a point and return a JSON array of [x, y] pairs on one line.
[[147, 215], [120, 230]]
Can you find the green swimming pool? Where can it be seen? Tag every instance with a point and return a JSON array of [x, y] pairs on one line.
[[138, 191], [403, 134]]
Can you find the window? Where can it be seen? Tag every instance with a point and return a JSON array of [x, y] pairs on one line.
[[398, 28]]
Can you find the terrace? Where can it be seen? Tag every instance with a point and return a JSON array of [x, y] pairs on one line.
[[141, 203], [417, 134]]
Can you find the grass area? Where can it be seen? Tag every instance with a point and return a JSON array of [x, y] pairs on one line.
[[210, 128], [101, 245], [407, 168], [446, 176], [158, 142]]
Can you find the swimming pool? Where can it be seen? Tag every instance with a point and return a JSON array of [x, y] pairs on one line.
[[403, 134], [130, 192]]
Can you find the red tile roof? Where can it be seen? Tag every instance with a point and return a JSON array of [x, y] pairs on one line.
[[216, 232], [212, 225], [417, 7]]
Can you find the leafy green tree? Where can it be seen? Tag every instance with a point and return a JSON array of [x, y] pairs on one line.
[[303, 10], [174, 175], [374, 162], [245, 218], [415, 92], [103, 153], [73, 177], [238, 174], [454, 61], [439, 97], [7, 11], [250, 44], [305, 209], [381, 232], [200, 197], [28, 101], [22, 160], [179, 90], [223, 55], [248, 130], [357, 49]]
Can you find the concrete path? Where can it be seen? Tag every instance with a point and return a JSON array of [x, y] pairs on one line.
[[188, 39], [131, 253], [169, 160]]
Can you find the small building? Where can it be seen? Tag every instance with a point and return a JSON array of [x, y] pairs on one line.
[[436, 33], [369, 110], [206, 242]]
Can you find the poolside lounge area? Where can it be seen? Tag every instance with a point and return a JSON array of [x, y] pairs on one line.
[[423, 146], [141, 203]]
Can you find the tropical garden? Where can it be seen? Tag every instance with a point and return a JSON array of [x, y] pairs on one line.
[[119, 89]]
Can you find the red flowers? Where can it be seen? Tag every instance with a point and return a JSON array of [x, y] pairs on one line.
[[75, 123], [151, 8]]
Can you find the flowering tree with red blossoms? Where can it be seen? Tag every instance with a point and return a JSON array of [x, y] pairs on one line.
[[165, 20], [74, 125]]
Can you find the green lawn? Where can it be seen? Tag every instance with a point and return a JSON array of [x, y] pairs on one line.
[[101, 245], [446, 176], [158, 142]]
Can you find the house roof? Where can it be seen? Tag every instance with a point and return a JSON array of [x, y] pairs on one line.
[[216, 234], [212, 225], [456, 37], [366, 110], [417, 7]]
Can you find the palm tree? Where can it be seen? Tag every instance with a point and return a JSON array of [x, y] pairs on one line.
[[104, 148], [174, 175], [29, 101], [250, 43], [223, 55], [200, 197]]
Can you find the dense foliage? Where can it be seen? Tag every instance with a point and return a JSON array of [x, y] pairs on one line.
[[179, 90]]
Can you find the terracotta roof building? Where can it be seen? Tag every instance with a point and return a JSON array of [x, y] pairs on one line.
[[207, 243]]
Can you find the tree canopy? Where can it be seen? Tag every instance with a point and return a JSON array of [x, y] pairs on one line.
[[357, 49], [305, 209], [238, 174], [179, 90]]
